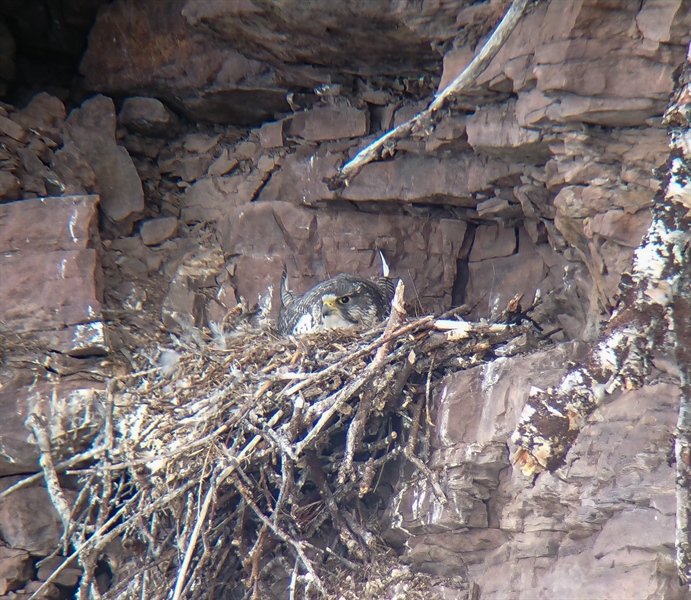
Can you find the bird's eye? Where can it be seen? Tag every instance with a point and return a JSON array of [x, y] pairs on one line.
[[344, 300]]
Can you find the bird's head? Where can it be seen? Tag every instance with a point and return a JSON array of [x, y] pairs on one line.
[[349, 307]]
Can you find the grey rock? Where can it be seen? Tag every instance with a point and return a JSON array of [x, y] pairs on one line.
[[92, 129], [157, 231], [147, 116], [28, 520]]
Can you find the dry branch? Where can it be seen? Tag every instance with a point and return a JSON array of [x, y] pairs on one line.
[[38, 426], [678, 119], [425, 120]]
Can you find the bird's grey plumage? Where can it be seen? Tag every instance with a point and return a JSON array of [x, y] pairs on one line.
[[342, 301]]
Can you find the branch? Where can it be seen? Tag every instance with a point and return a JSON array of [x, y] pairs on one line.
[[61, 466], [356, 430], [433, 113], [678, 117], [39, 428]]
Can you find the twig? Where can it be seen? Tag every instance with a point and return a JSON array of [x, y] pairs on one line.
[[61, 466], [88, 562], [424, 322], [92, 540], [357, 425], [409, 453], [180, 580], [427, 118], [293, 580], [57, 497], [322, 485], [278, 532], [201, 517]]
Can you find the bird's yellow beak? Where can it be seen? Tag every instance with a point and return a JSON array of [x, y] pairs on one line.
[[329, 306]]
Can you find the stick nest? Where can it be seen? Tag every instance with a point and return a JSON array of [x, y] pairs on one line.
[[241, 465]]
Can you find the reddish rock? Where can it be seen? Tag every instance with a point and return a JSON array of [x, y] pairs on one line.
[[455, 61], [301, 178], [49, 592], [189, 167], [662, 21], [69, 576], [10, 187], [492, 241], [152, 49], [422, 179], [619, 226], [593, 73], [271, 135], [72, 169], [156, 231], [45, 291], [92, 129], [582, 62], [448, 135], [223, 165], [45, 114], [543, 532], [199, 142], [360, 34], [51, 272], [194, 280], [494, 130], [28, 520], [32, 164], [623, 112], [49, 224], [635, 528], [249, 149], [493, 282], [261, 237], [12, 129], [407, 111], [211, 198], [329, 123], [16, 568], [147, 116], [499, 209], [72, 404]]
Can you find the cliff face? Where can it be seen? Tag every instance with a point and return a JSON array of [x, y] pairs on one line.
[[210, 134]]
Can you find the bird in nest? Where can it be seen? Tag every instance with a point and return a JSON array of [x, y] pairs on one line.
[[342, 301]]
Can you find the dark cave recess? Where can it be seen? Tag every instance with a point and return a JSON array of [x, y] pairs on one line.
[[41, 45]]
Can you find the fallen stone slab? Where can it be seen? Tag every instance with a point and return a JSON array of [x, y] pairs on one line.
[[157, 231], [12, 129], [329, 123], [28, 520], [92, 130], [147, 116], [16, 568]]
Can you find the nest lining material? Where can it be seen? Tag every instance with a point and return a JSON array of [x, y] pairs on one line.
[[241, 467]]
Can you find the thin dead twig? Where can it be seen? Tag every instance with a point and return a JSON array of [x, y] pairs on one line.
[[287, 539], [38, 426], [61, 466], [433, 114], [357, 425]]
